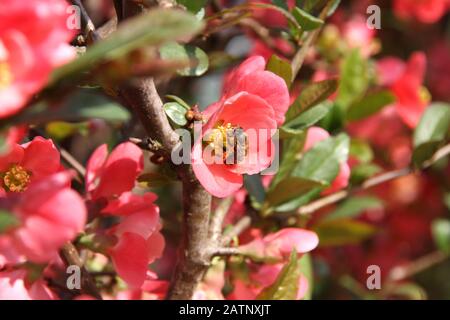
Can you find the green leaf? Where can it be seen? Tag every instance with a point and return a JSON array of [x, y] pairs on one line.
[[281, 3], [305, 20], [195, 57], [289, 188], [361, 150], [153, 180], [149, 29], [343, 232], [281, 68], [406, 290], [291, 149], [7, 221], [179, 100], [363, 171], [176, 113], [309, 117], [306, 268], [321, 163], [447, 200], [84, 104], [193, 5], [285, 286], [354, 79], [369, 105], [431, 131], [60, 130], [255, 188], [353, 207], [310, 96], [441, 233]]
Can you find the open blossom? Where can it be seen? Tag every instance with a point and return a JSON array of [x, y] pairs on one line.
[[254, 101], [279, 245], [405, 80], [108, 176], [26, 163], [48, 214], [139, 239], [139, 242], [426, 11], [315, 135], [33, 41], [14, 286]]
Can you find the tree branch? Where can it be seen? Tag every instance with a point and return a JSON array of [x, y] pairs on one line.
[[369, 183], [194, 254], [300, 56], [71, 257]]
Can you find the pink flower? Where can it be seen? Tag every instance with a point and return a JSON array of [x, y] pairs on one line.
[[14, 286], [48, 214], [279, 245], [139, 240], [27, 163], [405, 81], [358, 35], [426, 11], [315, 135], [253, 102], [110, 176], [33, 41]]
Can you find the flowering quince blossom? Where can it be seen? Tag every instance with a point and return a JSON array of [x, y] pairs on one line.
[[48, 215], [139, 241], [14, 286], [108, 176], [254, 101], [315, 135], [426, 11], [33, 41], [277, 245], [26, 163], [405, 81]]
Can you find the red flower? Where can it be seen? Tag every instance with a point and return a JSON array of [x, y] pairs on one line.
[[254, 101], [139, 240], [279, 245], [33, 41], [14, 286], [405, 81], [426, 11], [49, 214], [110, 176], [27, 163]]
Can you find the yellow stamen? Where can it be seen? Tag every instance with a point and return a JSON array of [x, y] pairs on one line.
[[16, 179], [223, 134], [424, 95], [5, 75]]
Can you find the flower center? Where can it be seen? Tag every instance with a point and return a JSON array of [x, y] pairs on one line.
[[5, 75], [16, 179], [424, 95], [229, 141]]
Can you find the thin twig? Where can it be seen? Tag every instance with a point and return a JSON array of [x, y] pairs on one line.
[[403, 272], [238, 228], [71, 257], [301, 54], [369, 183], [228, 252], [72, 161], [215, 226]]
